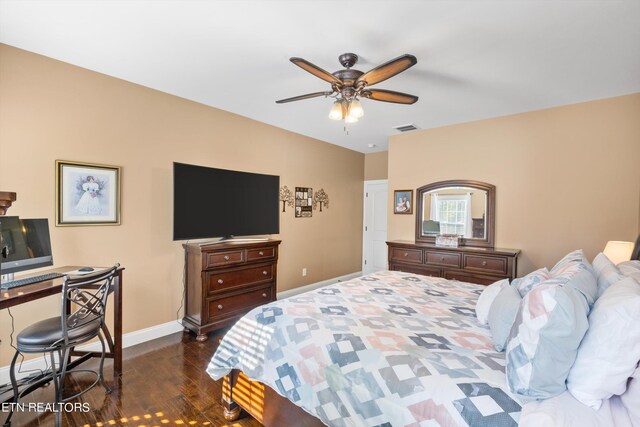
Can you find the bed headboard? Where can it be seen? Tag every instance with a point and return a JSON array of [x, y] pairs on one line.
[[636, 250]]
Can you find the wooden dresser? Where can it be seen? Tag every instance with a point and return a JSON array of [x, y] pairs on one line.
[[467, 264], [226, 280]]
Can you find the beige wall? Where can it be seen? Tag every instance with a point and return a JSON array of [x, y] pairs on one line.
[[51, 110], [566, 177], [375, 165]]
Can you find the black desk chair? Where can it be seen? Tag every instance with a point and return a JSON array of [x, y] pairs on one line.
[[84, 303]]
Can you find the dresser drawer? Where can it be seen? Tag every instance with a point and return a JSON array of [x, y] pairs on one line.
[[260, 253], [406, 255], [471, 278], [415, 269], [443, 258], [485, 263], [224, 258], [238, 303], [221, 281]]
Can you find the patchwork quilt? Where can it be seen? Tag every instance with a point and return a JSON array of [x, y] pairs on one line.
[[387, 349]]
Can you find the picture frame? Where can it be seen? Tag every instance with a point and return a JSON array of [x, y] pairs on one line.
[[403, 202], [304, 202], [87, 194]]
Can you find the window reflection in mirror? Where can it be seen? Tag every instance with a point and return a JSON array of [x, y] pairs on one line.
[[455, 210]]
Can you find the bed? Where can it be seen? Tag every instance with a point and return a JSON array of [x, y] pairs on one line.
[[387, 349]]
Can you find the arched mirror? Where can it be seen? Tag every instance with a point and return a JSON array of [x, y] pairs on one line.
[[462, 207]]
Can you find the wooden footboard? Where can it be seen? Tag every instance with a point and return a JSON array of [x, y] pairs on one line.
[[262, 403]]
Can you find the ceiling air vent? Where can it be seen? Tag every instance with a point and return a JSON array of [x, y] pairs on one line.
[[406, 128]]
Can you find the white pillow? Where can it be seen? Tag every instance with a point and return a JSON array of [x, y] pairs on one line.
[[631, 398], [606, 272], [630, 268], [610, 350], [486, 299]]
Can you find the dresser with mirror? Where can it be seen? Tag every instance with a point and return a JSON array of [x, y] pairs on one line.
[[458, 207]]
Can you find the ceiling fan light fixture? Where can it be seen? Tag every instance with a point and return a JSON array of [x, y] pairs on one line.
[[337, 111], [355, 109], [350, 119], [348, 84]]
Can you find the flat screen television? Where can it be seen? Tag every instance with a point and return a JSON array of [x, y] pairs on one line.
[[210, 202], [28, 244]]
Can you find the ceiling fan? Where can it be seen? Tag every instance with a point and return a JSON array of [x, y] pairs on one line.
[[349, 85]]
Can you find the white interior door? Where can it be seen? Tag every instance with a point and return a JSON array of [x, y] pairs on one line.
[[374, 246]]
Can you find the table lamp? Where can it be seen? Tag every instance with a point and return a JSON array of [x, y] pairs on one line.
[[618, 251]]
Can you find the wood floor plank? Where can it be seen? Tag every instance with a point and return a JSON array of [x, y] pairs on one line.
[[164, 383]]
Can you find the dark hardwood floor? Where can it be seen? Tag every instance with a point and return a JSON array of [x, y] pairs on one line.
[[164, 383]]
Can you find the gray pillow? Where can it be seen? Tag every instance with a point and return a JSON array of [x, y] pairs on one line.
[[544, 340], [549, 327], [574, 269], [502, 314]]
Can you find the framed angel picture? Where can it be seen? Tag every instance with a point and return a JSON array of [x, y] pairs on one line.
[[87, 194]]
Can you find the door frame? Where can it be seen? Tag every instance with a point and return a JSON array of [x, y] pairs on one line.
[[364, 214]]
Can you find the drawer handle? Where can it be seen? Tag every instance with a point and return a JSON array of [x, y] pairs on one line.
[[484, 263], [441, 258], [226, 257], [264, 273], [260, 253], [406, 254], [264, 295], [220, 307], [220, 281]]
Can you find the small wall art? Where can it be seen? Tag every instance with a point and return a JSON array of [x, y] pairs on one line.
[[403, 202], [304, 202], [87, 194], [286, 197], [320, 198]]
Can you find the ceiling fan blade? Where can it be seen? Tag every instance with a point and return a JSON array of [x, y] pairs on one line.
[[387, 70], [315, 70], [389, 96], [307, 96]]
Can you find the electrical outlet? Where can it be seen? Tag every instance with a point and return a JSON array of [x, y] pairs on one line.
[[304, 272]]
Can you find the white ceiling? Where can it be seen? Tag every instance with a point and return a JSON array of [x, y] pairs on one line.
[[476, 59]]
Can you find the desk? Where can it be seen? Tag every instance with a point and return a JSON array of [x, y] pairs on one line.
[[34, 291]]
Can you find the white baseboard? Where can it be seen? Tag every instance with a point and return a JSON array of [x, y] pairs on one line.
[[128, 340], [312, 286], [148, 334], [158, 331]]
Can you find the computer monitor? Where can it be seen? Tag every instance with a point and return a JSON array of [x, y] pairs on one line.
[[28, 244], [430, 227]]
